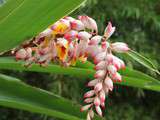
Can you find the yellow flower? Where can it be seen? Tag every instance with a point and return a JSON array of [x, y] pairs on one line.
[[62, 48]]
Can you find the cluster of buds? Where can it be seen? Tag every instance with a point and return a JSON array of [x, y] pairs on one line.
[[106, 66], [69, 40]]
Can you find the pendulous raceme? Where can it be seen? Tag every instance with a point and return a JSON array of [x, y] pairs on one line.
[[69, 40]]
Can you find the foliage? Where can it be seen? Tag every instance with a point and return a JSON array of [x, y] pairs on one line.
[[137, 23]]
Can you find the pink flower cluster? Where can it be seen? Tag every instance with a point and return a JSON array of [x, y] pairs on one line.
[[69, 40]]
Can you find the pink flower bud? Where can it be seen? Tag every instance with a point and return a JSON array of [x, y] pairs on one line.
[[98, 87], [117, 77], [21, 54], [84, 35], [29, 52], [102, 96], [89, 23], [98, 110], [93, 50], [71, 35], [117, 64], [88, 100], [99, 57], [122, 65], [119, 47], [108, 83], [109, 58], [105, 45], [95, 40], [77, 25], [112, 69], [86, 107], [100, 74], [93, 82], [89, 94], [97, 101], [109, 30], [100, 66]]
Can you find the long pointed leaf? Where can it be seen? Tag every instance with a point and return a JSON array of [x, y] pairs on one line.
[[14, 93], [142, 60], [130, 76]]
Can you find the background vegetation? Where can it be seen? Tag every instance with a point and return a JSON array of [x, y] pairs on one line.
[[138, 24]]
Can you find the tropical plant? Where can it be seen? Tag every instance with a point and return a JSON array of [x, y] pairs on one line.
[[17, 25]]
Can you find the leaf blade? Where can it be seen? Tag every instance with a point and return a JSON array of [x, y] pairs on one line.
[[14, 93], [142, 60], [9, 63]]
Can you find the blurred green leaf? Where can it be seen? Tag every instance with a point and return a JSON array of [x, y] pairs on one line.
[[142, 60], [16, 94], [22, 19], [131, 77]]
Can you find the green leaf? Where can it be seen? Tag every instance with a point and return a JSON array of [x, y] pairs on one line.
[[16, 94], [131, 77], [138, 79], [22, 19], [142, 60], [11, 64]]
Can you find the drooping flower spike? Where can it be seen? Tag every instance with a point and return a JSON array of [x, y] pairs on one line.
[[69, 40]]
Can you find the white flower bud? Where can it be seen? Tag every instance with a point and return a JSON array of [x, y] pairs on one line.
[[89, 23], [102, 96], [93, 82], [112, 69], [119, 47], [109, 30], [117, 77], [95, 40], [89, 94], [84, 35], [21, 54], [88, 100], [100, 66], [98, 87], [99, 57], [97, 101], [77, 25], [100, 74], [108, 83]]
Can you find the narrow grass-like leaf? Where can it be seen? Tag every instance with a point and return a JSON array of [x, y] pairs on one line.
[[142, 60], [22, 19], [131, 77], [16, 94]]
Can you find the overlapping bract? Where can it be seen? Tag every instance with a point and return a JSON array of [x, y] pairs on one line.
[[69, 40]]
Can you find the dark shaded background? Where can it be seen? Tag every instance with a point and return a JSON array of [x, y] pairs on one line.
[[138, 24]]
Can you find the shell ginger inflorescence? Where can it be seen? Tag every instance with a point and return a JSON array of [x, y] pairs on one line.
[[69, 40]]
